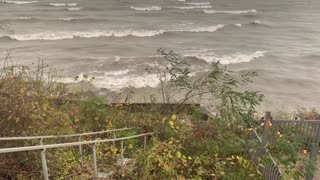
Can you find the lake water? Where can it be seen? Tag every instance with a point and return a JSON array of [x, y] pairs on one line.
[[114, 40]]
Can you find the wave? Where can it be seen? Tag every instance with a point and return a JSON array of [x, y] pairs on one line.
[[17, 18], [74, 19], [57, 4], [122, 80], [199, 4], [19, 2], [206, 29], [238, 24], [193, 7], [151, 8], [96, 34], [72, 4], [74, 8], [256, 22], [211, 57], [230, 12], [72, 35], [63, 4]]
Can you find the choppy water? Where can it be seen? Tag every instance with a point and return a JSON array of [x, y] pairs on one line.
[[114, 40]]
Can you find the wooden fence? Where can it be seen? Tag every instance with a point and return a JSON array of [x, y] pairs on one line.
[[309, 135]]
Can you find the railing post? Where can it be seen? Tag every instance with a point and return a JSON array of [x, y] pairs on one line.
[[144, 143], [114, 137], [267, 119], [80, 151], [122, 163], [95, 161], [44, 162]]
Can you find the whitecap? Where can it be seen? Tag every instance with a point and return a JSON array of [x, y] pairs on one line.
[[116, 58], [74, 8], [210, 57], [70, 19], [206, 29], [117, 73], [20, 2], [119, 33], [151, 8], [18, 18], [199, 3], [238, 24], [256, 22], [72, 4], [71, 35], [116, 80], [57, 4], [230, 12], [193, 7]]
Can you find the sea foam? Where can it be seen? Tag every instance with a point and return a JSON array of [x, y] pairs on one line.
[[230, 12], [116, 80]]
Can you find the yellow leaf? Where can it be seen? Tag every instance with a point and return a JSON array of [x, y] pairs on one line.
[[178, 154], [170, 123], [189, 157], [130, 146], [174, 117]]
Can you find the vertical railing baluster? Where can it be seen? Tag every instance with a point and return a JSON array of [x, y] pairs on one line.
[[95, 161], [114, 137], [44, 162], [144, 143], [80, 151], [122, 163]]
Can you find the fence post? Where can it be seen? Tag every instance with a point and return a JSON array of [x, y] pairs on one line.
[[314, 152], [80, 151], [44, 162], [267, 119], [122, 163], [95, 161]]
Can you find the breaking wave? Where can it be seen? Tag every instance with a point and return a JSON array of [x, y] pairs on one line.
[[199, 4], [230, 12], [74, 8], [63, 4], [151, 8], [19, 2], [211, 57], [193, 7], [96, 34], [116, 80]]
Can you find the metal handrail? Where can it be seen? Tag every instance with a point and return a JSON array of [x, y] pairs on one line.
[[50, 146], [43, 148], [61, 136]]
